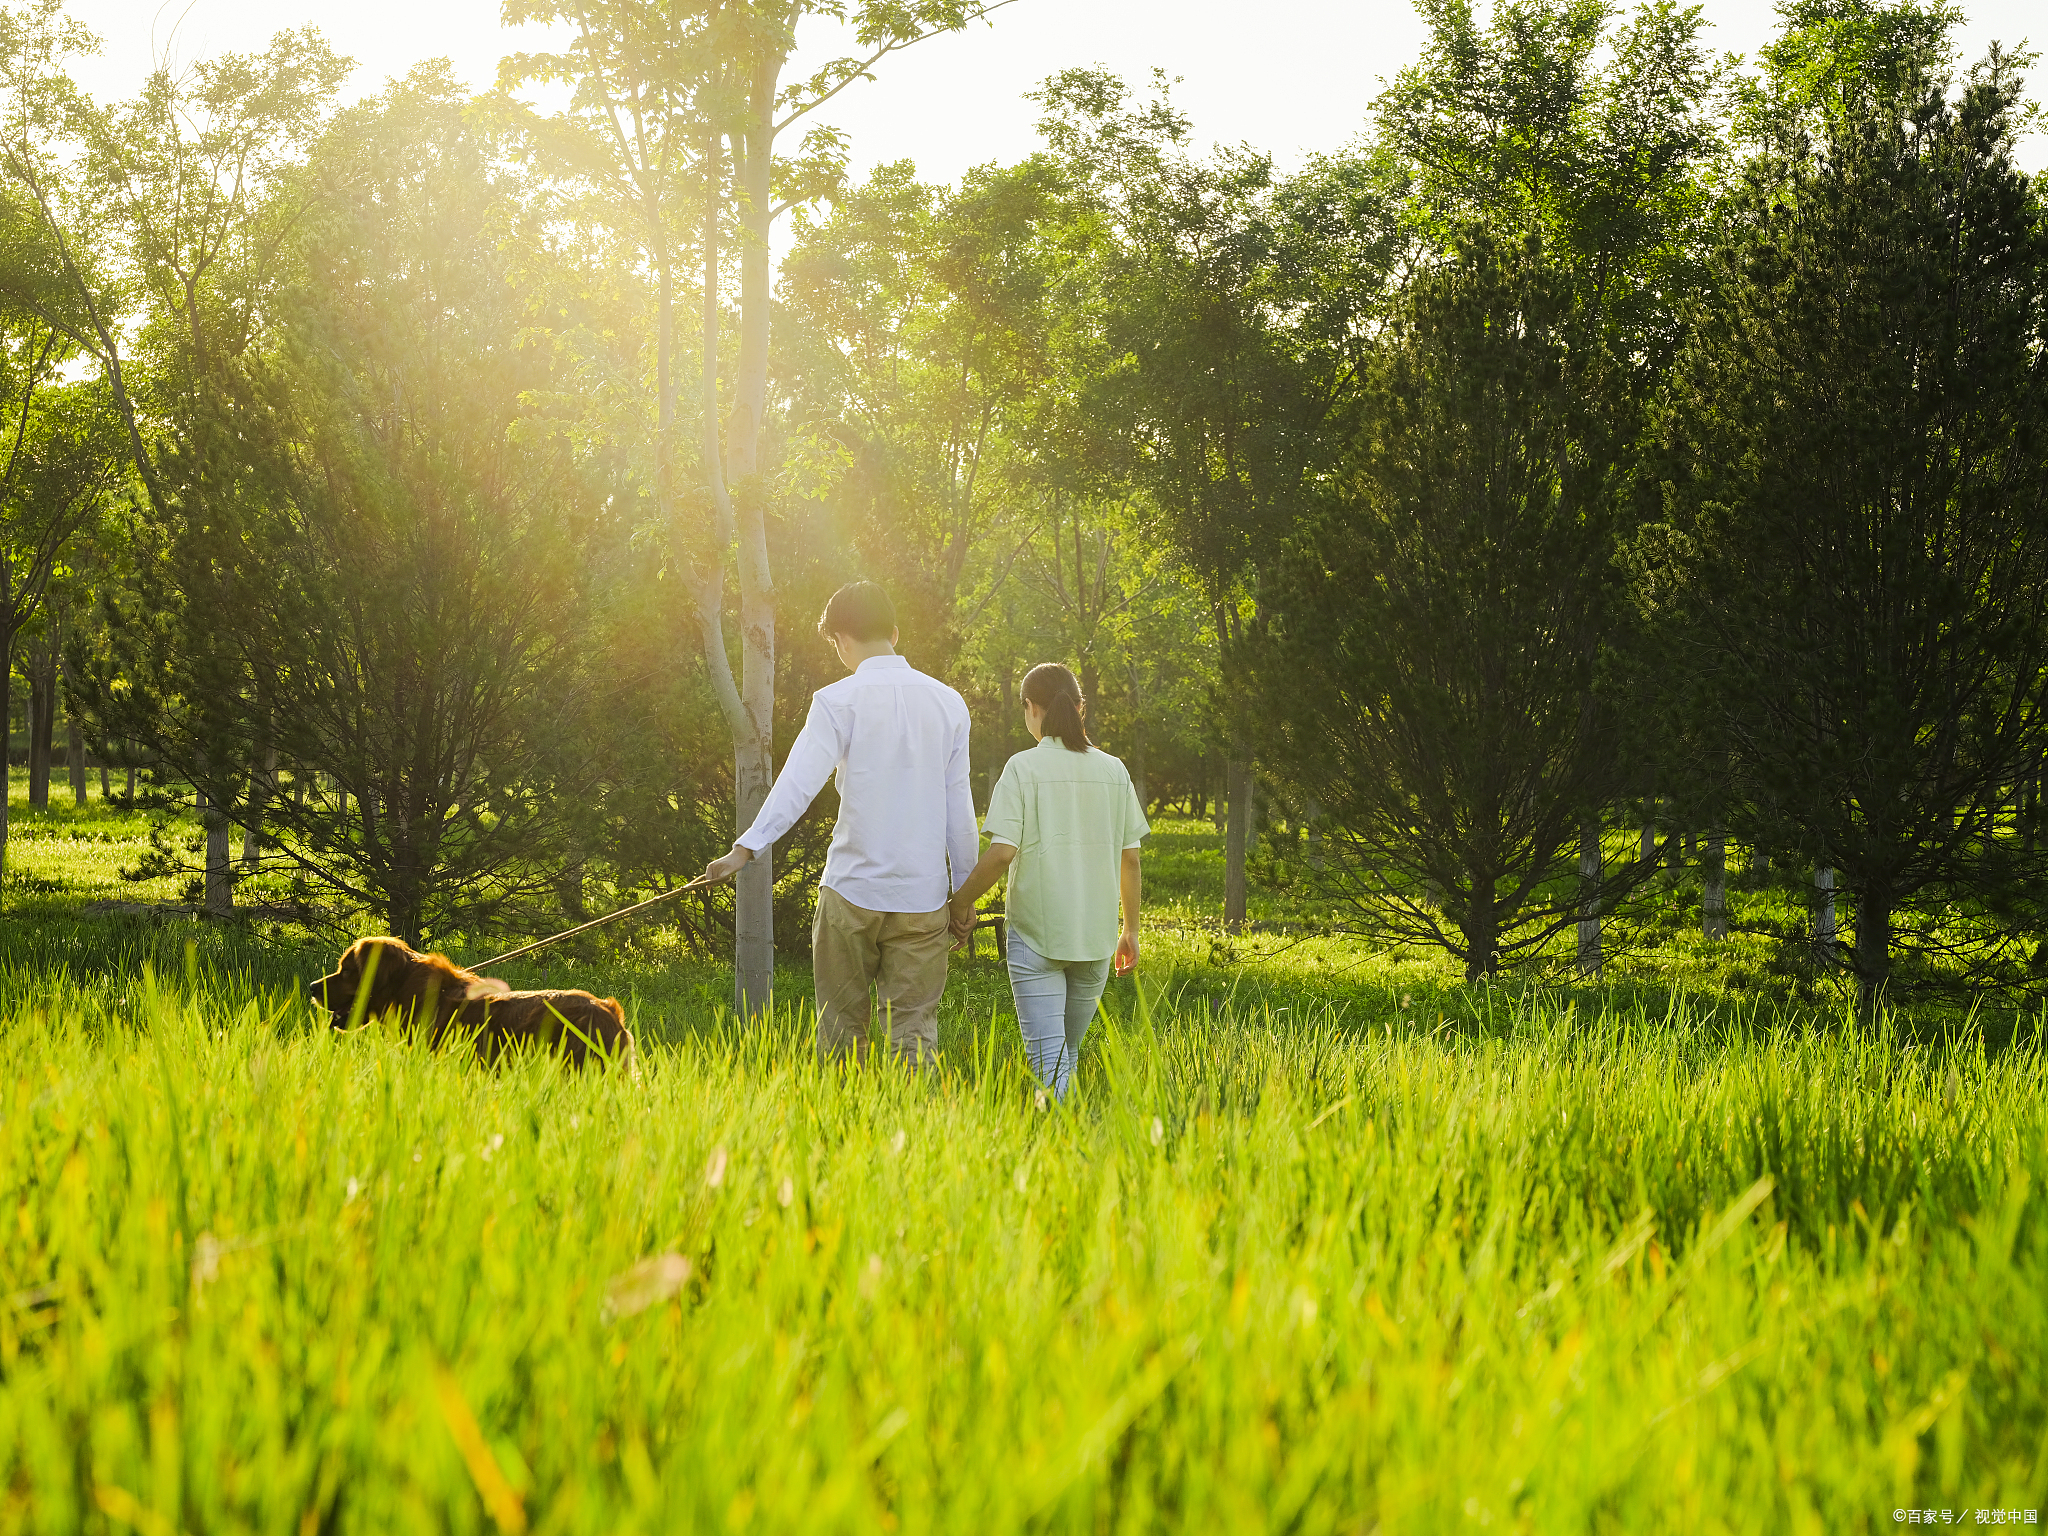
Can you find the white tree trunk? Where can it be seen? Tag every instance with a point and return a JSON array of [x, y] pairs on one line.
[[42, 725], [1824, 910], [262, 785], [75, 752], [1714, 900], [754, 754], [74, 739], [220, 879], [754, 898], [1236, 840]]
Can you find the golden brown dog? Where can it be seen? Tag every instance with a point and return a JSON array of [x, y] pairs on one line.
[[433, 994]]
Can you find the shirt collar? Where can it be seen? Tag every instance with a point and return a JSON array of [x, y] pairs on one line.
[[883, 664]]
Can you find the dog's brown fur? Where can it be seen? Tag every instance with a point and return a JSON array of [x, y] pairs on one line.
[[432, 994]]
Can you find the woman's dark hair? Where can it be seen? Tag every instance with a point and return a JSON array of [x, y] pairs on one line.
[[860, 609], [1056, 691]]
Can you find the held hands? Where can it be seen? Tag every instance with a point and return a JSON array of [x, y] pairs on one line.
[[988, 869], [960, 918], [1126, 952]]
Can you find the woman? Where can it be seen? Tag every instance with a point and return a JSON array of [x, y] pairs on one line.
[[1065, 822]]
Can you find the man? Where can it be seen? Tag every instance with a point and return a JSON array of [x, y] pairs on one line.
[[905, 838]]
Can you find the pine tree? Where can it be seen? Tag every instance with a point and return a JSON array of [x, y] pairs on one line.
[[1855, 568], [1430, 665]]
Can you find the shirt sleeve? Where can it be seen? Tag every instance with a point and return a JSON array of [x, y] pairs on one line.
[[962, 846], [1135, 824], [1005, 820], [816, 752]]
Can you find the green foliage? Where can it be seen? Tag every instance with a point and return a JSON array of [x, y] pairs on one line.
[[391, 603], [1854, 567], [949, 344], [61, 468], [1429, 660], [1551, 117], [920, 344], [1220, 359], [1120, 404], [1831, 55]]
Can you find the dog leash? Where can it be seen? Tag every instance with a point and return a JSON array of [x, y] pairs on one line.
[[595, 922]]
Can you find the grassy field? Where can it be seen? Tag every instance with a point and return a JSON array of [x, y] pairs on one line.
[[64, 859], [1323, 1243]]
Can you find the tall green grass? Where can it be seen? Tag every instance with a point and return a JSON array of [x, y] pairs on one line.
[[1546, 1272]]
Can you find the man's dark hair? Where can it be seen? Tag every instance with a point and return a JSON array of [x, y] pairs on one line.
[[860, 609]]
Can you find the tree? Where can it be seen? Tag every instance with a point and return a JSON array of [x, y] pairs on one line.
[[940, 349], [1855, 565], [171, 200], [422, 636], [1231, 315], [916, 354], [1427, 665], [678, 120], [1551, 118], [60, 464], [55, 468]]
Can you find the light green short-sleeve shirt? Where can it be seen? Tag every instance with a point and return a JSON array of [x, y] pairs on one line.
[[1070, 816]]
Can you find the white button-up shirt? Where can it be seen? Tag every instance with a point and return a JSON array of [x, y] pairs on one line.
[[897, 742]]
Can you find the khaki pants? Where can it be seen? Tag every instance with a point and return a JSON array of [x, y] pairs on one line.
[[900, 955]]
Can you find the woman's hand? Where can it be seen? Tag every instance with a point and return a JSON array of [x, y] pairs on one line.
[[961, 917], [1127, 952], [1130, 894]]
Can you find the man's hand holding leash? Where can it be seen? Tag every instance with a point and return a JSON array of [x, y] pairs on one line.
[[723, 868]]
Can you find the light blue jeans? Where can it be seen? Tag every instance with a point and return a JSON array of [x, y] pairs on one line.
[[1055, 1005]]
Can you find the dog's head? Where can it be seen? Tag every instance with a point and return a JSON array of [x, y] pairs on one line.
[[377, 975], [378, 965]]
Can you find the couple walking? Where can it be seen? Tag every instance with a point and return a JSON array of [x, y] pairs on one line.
[[1063, 823]]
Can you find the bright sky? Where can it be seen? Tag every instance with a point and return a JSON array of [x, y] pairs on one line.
[[1290, 76]]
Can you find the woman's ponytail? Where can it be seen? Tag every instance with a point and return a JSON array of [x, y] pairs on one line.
[[1055, 690]]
